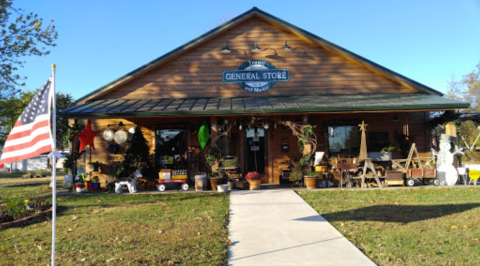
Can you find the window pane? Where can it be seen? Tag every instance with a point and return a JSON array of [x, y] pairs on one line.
[[344, 141], [171, 147]]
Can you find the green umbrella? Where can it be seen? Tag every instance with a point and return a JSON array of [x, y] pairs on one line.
[[203, 134]]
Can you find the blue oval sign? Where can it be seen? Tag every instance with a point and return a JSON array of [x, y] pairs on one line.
[[256, 75]]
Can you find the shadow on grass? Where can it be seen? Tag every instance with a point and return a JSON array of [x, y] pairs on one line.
[[399, 213], [31, 184]]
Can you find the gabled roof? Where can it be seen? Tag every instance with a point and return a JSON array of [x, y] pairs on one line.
[[263, 105], [239, 19]]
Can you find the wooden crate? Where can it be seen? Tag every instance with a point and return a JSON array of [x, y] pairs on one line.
[[394, 178]]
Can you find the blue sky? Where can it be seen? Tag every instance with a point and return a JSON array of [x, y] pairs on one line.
[[99, 41]]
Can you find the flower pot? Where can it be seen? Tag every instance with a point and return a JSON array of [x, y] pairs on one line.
[[254, 183], [80, 187], [380, 156], [214, 181], [311, 182], [222, 188], [321, 168]]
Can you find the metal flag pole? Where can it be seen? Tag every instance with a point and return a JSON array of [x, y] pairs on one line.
[[54, 166]]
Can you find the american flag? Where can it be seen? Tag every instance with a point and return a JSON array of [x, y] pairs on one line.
[[31, 134]]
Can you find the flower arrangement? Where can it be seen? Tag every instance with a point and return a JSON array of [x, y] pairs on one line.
[[253, 176]]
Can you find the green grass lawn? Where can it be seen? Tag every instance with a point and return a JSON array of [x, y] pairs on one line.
[[426, 226], [12, 185], [140, 229]]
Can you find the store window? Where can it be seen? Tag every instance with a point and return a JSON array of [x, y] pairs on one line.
[[377, 141], [343, 141], [171, 148]]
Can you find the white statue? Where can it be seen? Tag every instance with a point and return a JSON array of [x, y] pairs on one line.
[[130, 183], [446, 173]]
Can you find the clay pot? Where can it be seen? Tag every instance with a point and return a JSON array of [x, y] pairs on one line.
[[311, 182], [214, 181]]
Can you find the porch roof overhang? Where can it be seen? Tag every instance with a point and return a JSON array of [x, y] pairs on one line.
[[262, 105]]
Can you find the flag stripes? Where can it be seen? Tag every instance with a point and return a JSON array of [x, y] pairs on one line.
[[31, 135]]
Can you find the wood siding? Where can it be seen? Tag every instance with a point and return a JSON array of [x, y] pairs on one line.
[[277, 159], [198, 72]]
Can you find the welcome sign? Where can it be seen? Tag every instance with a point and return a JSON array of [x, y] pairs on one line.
[[256, 75]]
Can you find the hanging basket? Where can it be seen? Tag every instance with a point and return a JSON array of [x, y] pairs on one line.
[[108, 134]]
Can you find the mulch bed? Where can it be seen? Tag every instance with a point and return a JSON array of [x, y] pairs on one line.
[[25, 219]]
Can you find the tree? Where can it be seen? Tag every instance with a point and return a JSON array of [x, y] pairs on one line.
[[23, 34], [12, 108], [10, 111], [137, 157], [468, 90], [64, 101]]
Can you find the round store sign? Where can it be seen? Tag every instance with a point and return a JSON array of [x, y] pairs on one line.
[[256, 75]]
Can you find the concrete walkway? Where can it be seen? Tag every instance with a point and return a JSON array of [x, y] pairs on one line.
[[277, 227]]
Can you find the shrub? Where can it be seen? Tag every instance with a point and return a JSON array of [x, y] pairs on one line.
[[15, 208]]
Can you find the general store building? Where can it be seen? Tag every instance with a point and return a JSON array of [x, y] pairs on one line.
[[253, 73]]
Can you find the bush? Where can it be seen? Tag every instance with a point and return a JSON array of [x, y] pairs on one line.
[[15, 208]]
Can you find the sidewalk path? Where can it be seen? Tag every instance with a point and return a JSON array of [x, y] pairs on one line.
[[277, 227]]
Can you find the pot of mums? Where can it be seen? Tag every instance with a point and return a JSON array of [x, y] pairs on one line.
[[253, 179]]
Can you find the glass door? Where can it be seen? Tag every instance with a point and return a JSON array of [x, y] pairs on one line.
[[256, 155]]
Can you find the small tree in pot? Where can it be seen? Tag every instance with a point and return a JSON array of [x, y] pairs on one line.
[[307, 144]]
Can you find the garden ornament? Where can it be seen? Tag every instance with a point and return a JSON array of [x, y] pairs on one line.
[[130, 183], [446, 173], [86, 137]]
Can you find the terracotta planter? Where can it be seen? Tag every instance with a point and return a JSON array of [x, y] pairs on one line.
[[311, 182], [214, 181], [254, 183]]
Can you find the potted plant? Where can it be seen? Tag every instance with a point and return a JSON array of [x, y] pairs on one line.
[[216, 178], [296, 173], [95, 165], [253, 179], [307, 144], [311, 179], [385, 154]]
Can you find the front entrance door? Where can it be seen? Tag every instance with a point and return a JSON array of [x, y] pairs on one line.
[[256, 155]]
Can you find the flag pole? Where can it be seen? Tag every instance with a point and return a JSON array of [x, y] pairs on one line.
[[54, 166]]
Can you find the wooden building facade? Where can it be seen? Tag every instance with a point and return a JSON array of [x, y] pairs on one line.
[[221, 79]]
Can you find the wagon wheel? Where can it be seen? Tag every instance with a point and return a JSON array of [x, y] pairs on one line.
[[161, 187], [436, 182], [410, 182], [185, 186]]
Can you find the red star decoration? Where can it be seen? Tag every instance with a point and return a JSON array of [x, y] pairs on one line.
[[86, 137]]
